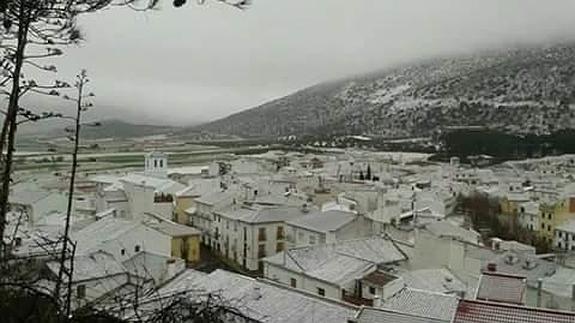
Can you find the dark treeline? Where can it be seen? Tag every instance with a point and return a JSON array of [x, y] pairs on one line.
[[467, 142]]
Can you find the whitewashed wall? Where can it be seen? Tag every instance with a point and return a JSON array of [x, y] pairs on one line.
[[309, 284], [148, 239]]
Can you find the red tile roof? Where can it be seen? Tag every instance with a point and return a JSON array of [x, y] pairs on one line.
[[378, 278], [491, 312]]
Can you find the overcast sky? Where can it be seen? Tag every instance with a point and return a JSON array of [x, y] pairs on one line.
[[197, 63]]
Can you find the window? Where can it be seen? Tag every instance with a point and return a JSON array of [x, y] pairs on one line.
[[280, 233], [320, 291], [372, 290], [322, 238], [137, 248], [549, 216], [261, 251], [549, 227], [300, 236], [559, 234], [155, 163], [293, 282], [279, 247], [123, 252], [262, 234], [543, 215], [312, 239], [559, 245], [542, 225], [161, 163], [81, 291]]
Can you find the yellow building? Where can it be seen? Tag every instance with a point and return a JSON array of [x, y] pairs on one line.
[[184, 201], [187, 248], [510, 205], [553, 214], [185, 240]]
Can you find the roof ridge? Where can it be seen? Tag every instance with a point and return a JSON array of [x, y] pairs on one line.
[[525, 307], [386, 309]]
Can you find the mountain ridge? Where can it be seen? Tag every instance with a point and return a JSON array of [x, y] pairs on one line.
[[110, 128], [526, 90]]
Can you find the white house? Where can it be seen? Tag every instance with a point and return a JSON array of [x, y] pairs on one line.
[[201, 214], [246, 234], [96, 274], [565, 236], [99, 277], [332, 270], [529, 215], [37, 204], [122, 238], [327, 227]]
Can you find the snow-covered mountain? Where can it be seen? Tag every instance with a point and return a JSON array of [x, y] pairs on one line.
[[519, 91]]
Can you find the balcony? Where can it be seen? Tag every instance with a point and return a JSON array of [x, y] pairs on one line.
[[352, 299]]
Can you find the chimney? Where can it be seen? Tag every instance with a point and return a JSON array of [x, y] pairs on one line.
[[460, 294], [377, 301]]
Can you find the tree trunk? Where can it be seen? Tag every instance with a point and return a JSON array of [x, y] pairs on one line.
[[11, 116], [70, 204]]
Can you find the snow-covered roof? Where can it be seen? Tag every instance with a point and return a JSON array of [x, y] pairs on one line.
[[567, 226], [339, 262], [94, 265], [448, 229], [106, 229], [499, 287], [149, 265], [263, 300], [423, 303], [28, 197], [323, 221], [105, 179], [160, 185], [561, 282], [157, 154], [216, 197], [260, 214], [187, 170], [527, 265], [439, 280], [379, 315], [200, 187], [170, 228]]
